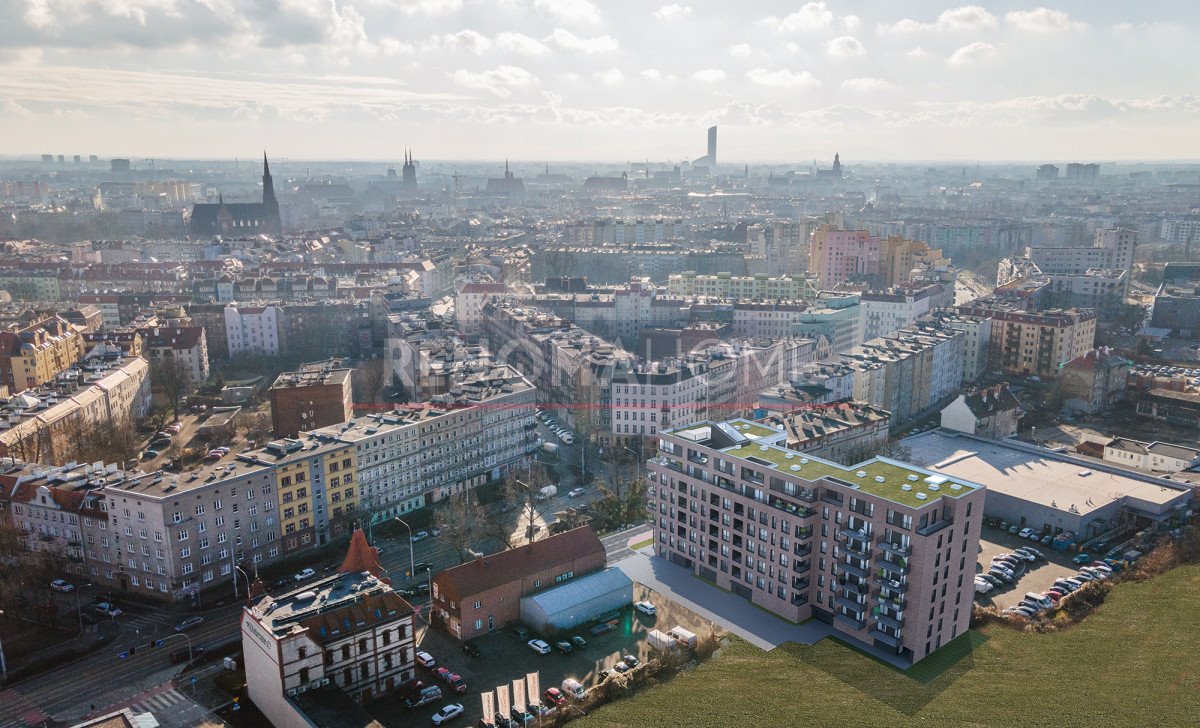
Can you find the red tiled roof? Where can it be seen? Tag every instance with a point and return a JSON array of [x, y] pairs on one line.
[[490, 571]]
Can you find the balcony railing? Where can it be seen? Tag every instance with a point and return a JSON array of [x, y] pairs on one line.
[[934, 527], [799, 598], [855, 586], [895, 549], [858, 548], [884, 637], [846, 619], [850, 604], [800, 582], [892, 584], [852, 569], [888, 620], [802, 549], [893, 568], [895, 603]]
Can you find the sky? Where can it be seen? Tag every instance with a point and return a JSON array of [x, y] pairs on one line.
[[603, 80]]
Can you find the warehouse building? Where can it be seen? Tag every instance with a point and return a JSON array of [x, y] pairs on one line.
[[578, 601]]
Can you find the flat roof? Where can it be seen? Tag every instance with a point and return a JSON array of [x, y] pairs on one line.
[[1047, 479], [892, 480]]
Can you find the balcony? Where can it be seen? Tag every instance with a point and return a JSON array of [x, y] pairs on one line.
[[804, 533], [888, 620], [798, 599], [802, 549], [858, 571], [675, 465], [850, 604], [894, 585], [846, 619], [893, 568], [698, 458], [854, 586], [933, 527], [895, 549], [800, 582], [861, 550], [801, 567], [895, 603], [884, 637]]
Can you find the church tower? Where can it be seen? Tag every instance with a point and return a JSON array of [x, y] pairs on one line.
[[409, 172], [271, 218]]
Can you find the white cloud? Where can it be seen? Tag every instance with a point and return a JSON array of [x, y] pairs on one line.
[[971, 53], [741, 50], [430, 7], [709, 75], [611, 76], [471, 40], [14, 110], [782, 78], [520, 43], [810, 17], [391, 47], [918, 53], [567, 40], [867, 84], [1042, 20], [845, 47], [852, 22], [499, 81], [964, 18], [652, 73], [569, 11], [674, 11]]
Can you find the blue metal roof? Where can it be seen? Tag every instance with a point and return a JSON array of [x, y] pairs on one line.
[[581, 590]]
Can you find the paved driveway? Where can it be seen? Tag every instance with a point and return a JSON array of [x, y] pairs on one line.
[[733, 613], [1039, 575]]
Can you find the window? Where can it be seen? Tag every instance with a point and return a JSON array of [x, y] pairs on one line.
[[183, 534]]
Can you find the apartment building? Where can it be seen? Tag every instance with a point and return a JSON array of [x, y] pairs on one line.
[[426, 358], [348, 635], [767, 320], [316, 395], [1112, 248], [841, 255], [908, 372], [730, 287], [815, 383], [834, 432], [253, 329], [423, 453], [318, 494], [782, 244], [977, 337], [889, 310], [898, 257], [992, 412], [883, 551], [185, 344], [47, 516], [45, 425], [35, 354], [1038, 343], [1095, 381], [838, 317]]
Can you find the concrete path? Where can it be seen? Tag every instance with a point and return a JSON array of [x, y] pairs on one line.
[[733, 613]]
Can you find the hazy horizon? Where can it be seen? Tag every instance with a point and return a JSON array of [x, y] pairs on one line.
[[558, 80]]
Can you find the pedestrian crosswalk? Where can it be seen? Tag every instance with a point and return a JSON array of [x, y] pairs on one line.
[[170, 707]]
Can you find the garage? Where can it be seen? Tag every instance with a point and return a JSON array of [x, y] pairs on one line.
[[577, 601]]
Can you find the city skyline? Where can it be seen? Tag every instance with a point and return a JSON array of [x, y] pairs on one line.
[[574, 80]]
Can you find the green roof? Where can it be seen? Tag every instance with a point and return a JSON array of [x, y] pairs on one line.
[[895, 474], [751, 429]]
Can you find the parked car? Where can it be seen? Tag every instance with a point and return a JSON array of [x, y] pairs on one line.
[[188, 623], [1025, 553], [62, 585], [554, 696], [578, 641], [421, 566], [982, 587], [424, 659], [539, 646], [522, 717], [1053, 595], [459, 685], [646, 608], [631, 661], [1032, 552], [149, 454], [1082, 558], [601, 628], [621, 667], [564, 646], [1047, 540], [1014, 529], [1035, 537], [994, 581], [1083, 576], [1041, 600], [419, 536], [443, 673], [304, 574], [470, 649], [519, 632], [1026, 532], [575, 493], [447, 712], [1002, 576]]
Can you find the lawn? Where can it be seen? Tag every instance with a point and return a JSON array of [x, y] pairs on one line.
[[1129, 664]]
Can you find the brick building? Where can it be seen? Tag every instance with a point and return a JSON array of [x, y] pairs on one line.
[[316, 395], [485, 594]]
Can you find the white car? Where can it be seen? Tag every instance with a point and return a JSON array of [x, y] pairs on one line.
[[447, 712], [539, 646], [982, 586], [304, 574], [646, 608], [1026, 532], [424, 659], [575, 493], [62, 585], [419, 536]]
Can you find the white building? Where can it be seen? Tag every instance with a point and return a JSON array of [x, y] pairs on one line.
[[468, 305], [349, 631], [885, 312], [1113, 249], [252, 329], [728, 286], [1162, 457]]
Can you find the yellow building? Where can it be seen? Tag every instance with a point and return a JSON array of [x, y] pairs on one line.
[[898, 256], [36, 354], [316, 485]]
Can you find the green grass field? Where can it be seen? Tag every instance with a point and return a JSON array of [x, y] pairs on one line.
[[1132, 663]]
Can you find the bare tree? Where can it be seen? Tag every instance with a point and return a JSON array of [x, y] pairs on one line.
[[31, 441], [172, 381], [522, 494], [459, 521], [368, 381]]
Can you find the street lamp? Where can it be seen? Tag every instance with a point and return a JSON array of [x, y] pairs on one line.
[[412, 562], [3, 663], [237, 569]]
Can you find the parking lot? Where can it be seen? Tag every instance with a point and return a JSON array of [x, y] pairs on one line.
[[1038, 576], [504, 658]]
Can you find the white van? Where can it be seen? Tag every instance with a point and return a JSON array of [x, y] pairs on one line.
[[572, 687]]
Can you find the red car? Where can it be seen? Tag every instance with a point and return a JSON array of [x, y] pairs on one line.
[[554, 696], [459, 685], [444, 673]]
